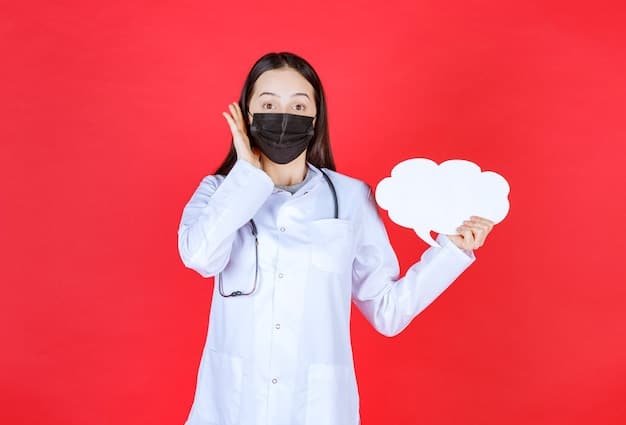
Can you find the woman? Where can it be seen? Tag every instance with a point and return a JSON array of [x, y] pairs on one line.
[[292, 243]]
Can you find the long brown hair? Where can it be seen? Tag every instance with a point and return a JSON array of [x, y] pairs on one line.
[[319, 152]]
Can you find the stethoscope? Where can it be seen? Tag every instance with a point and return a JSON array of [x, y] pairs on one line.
[[256, 247]]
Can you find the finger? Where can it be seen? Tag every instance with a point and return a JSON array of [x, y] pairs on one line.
[[233, 111], [238, 117], [238, 110], [480, 227], [230, 121], [477, 225], [483, 221], [474, 221], [480, 233], [468, 239], [234, 130], [486, 227]]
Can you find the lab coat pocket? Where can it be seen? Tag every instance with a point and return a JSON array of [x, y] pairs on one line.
[[331, 244], [332, 397], [227, 375]]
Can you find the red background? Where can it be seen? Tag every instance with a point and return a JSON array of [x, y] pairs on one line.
[[110, 116]]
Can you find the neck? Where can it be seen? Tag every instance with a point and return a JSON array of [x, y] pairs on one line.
[[285, 174]]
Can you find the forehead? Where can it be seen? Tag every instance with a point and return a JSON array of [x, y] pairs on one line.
[[283, 82]]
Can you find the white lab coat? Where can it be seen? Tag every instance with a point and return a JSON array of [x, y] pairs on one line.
[[283, 355]]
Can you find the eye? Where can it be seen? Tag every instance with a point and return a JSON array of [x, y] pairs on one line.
[[267, 106], [299, 107]]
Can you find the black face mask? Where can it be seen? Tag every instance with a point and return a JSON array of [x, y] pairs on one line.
[[281, 137]]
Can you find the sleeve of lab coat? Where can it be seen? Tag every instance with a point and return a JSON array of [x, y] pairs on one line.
[[388, 301], [214, 214]]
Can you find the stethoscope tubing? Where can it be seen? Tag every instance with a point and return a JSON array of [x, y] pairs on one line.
[[256, 247]]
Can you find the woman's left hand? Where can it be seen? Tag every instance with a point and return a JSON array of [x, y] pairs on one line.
[[472, 233]]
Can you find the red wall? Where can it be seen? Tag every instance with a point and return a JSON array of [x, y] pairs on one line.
[[110, 115]]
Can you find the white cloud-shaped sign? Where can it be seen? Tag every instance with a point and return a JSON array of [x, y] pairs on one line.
[[424, 196]]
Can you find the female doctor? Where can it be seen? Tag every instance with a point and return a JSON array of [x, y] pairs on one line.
[[291, 244]]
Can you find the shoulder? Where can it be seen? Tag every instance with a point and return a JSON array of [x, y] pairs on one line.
[[241, 174], [210, 183], [205, 189]]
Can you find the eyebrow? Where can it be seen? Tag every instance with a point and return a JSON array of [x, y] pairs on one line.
[[293, 95]]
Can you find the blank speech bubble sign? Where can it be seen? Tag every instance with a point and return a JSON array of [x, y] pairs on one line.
[[424, 196]]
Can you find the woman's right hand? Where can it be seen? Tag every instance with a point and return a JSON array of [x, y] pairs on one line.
[[240, 138]]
